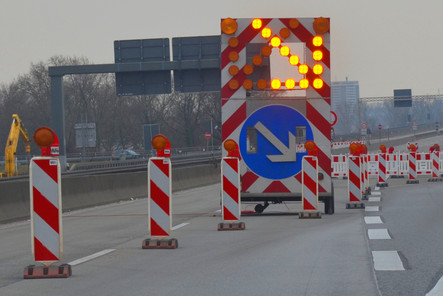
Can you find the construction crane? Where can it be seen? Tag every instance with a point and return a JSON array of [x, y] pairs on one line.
[[17, 129]]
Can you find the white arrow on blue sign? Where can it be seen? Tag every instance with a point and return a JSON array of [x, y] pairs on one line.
[[274, 156]]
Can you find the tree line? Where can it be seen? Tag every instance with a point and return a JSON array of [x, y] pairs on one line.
[[183, 118]]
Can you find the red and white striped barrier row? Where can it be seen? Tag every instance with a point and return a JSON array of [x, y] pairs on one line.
[[396, 165]]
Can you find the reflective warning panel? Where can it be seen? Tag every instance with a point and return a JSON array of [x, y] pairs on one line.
[[275, 89]]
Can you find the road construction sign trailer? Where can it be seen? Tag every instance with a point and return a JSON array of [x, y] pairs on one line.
[[275, 75]]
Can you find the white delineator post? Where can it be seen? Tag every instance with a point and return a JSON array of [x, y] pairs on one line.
[[231, 199], [412, 172], [435, 159], [382, 176]]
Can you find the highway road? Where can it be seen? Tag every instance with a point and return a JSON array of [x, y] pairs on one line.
[[277, 254]]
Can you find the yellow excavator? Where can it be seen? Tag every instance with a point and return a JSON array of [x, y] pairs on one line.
[[17, 129]]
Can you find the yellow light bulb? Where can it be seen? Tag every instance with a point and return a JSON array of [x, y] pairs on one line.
[[266, 33], [275, 42], [284, 51], [317, 41], [294, 60], [303, 69], [317, 69], [290, 83], [304, 83], [275, 83], [256, 23], [317, 55], [318, 83]]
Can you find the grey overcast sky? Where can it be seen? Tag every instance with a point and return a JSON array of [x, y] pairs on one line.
[[383, 44]]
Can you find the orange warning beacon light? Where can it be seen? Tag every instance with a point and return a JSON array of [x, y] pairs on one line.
[[162, 145], [311, 147], [382, 148], [354, 149], [47, 140], [232, 148]]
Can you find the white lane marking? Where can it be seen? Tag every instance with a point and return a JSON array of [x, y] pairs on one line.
[[387, 260], [90, 257], [376, 193], [376, 188], [374, 199], [373, 220], [378, 234], [372, 209], [179, 226], [438, 289]]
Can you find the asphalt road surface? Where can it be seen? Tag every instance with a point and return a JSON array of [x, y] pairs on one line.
[[277, 254]]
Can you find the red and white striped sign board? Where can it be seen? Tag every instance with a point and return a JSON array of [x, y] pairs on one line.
[[382, 176], [46, 210], [230, 181], [239, 65], [412, 166], [160, 196], [435, 158], [310, 183]]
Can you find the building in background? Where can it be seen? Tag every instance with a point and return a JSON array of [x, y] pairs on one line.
[[345, 103]]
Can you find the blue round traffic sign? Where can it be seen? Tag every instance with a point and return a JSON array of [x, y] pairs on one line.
[[268, 141]]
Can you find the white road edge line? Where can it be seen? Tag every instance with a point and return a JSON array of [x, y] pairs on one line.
[[438, 289], [373, 220], [90, 257], [179, 226], [379, 233], [372, 209]]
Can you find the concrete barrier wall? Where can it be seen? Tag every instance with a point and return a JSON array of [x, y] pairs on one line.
[[86, 191]]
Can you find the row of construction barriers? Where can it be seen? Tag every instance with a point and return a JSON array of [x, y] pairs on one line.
[[397, 164]]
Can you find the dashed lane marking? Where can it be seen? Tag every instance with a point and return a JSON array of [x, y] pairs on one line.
[[376, 193], [373, 220], [91, 257], [387, 260], [378, 234], [179, 226], [372, 209], [374, 199], [437, 290]]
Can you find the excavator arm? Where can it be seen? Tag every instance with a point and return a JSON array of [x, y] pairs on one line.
[[17, 130]]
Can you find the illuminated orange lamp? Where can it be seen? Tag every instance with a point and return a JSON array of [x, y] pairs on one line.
[[304, 83], [266, 51], [311, 147], [382, 148], [275, 83], [318, 83], [232, 148], [162, 145], [275, 41], [229, 26], [303, 69], [290, 83], [317, 69], [284, 51], [262, 84], [294, 60], [317, 55], [257, 23], [354, 149], [266, 33], [317, 41], [321, 25]]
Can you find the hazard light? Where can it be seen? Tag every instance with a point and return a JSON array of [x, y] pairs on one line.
[[233, 42], [262, 84], [321, 25], [230, 145], [229, 26], [317, 55], [275, 83], [44, 137], [266, 33], [162, 145], [256, 23], [318, 83], [257, 60], [275, 42], [294, 60], [317, 69], [290, 83], [304, 83], [303, 69], [284, 51], [285, 33], [317, 41]]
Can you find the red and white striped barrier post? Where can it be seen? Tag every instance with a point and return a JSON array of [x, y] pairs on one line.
[[160, 197], [46, 213], [435, 159], [354, 183], [230, 183], [382, 176], [309, 182], [412, 160], [355, 177]]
